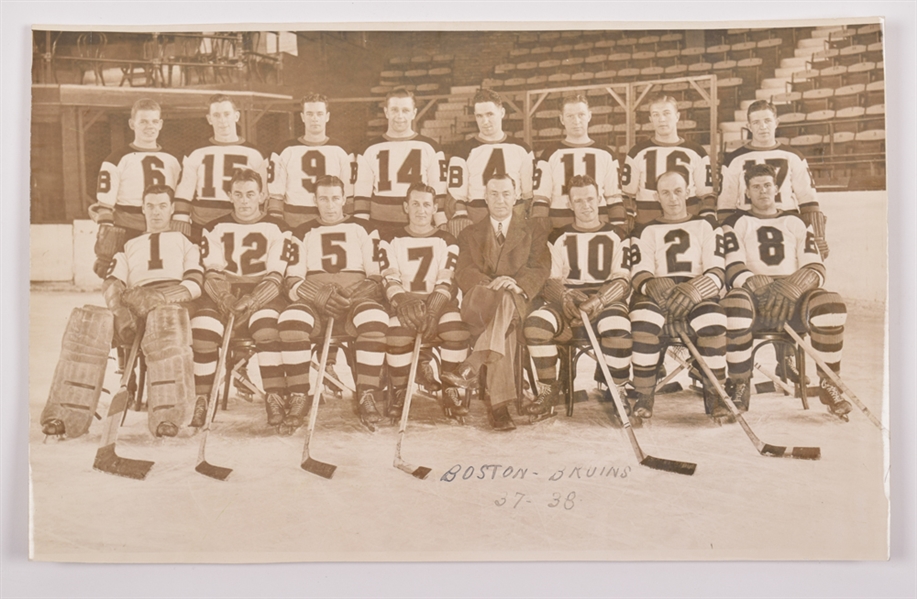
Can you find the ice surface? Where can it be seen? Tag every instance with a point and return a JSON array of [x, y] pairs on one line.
[[602, 505]]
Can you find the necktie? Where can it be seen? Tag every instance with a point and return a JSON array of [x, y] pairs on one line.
[[500, 236]]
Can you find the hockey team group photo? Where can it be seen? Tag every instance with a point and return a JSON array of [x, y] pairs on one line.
[[458, 295]]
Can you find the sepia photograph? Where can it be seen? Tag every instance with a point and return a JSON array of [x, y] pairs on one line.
[[277, 314]]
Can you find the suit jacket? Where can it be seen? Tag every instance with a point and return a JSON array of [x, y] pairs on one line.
[[524, 256]]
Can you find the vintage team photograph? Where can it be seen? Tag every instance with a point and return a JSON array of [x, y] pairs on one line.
[[458, 294]]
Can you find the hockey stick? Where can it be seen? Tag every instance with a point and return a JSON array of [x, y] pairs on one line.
[[205, 468], [787, 390], [308, 464], [420, 472], [776, 451], [832, 375], [645, 460], [106, 458]]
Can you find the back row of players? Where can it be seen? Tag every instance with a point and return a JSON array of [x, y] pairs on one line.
[[246, 256]]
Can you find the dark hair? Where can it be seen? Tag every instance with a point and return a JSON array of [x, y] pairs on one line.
[[420, 187], [499, 177], [759, 105], [582, 181], [400, 92], [314, 97], [487, 95], [662, 99], [157, 189], [760, 170], [574, 99], [674, 171], [246, 174], [329, 181], [145, 104], [217, 98]]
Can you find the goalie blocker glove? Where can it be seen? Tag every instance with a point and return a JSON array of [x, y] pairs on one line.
[[688, 294], [109, 241]]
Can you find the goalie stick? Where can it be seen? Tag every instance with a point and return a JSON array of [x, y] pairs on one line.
[[106, 459], [644, 459], [832, 375], [204, 467], [308, 463], [420, 472], [776, 451]]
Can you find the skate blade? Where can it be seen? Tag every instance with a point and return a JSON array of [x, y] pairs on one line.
[[215, 472], [109, 462], [318, 468]]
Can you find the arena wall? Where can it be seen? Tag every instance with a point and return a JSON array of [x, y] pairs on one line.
[[857, 235]]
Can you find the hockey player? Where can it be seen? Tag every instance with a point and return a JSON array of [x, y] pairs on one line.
[[389, 164], [203, 192], [337, 275], [418, 272], [244, 255], [776, 273], [795, 188], [491, 152], [666, 151], [157, 269], [125, 173], [577, 154], [677, 272], [589, 272], [297, 164]]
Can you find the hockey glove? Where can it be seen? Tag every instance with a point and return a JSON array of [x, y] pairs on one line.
[[324, 297], [757, 284], [143, 301], [687, 295], [609, 293], [220, 291], [783, 295], [553, 292], [436, 304], [457, 224], [410, 310], [109, 241], [817, 220], [264, 293], [369, 288], [659, 289], [182, 226], [572, 299]]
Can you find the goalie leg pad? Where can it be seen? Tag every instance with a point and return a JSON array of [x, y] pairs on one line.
[[80, 371], [170, 366]]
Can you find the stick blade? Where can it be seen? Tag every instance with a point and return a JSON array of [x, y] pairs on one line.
[[319, 468], [111, 463], [217, 472], [686, 468], [420, 472]]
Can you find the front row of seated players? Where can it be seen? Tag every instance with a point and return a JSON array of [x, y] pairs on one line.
[[154, 272]]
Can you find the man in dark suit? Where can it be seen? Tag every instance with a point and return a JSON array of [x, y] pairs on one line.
[[503, 263]]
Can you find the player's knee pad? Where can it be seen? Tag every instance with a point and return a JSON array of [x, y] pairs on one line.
[[206, 331], [542, 325], [823, 310], [296, 324], [452, 329], [170, 368], [707, 319], [740, 311], [262, 327], [80, 371], [367, 319]]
